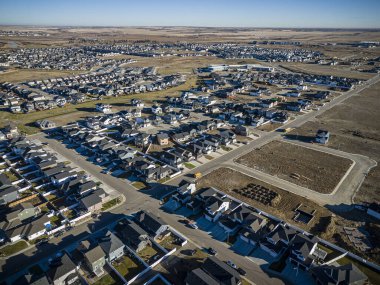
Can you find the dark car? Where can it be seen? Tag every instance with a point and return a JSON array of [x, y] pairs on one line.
[[241, 271], [192, 252], [211, 251]]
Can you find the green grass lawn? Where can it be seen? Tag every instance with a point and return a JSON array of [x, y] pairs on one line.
[[128, 267], [168, 243], [13, 248], [147, 253], [12, 177], [111, 203], [226, 148], [189, 165], [139, 185], [109, 279]]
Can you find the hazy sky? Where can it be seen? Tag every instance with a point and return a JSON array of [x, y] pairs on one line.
[[218, 13]]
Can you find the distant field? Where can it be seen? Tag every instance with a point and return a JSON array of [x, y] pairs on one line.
[[22, 75], [326, 70]]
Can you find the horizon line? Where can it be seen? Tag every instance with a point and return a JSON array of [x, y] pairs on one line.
[[184, 26]]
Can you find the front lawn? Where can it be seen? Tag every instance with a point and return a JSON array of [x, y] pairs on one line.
[[209, 157], [111, 203], [13, 248], [128, 267], [139, 185], [189, 165]]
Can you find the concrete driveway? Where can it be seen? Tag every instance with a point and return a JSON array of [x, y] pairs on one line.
[[214, 230], [241, 247]]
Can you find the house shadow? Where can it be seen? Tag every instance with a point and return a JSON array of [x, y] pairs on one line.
[[104, 219], [158, 190], [301, 138], [86, 109]]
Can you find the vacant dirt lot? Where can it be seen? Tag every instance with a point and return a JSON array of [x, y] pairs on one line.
[[227, 180], [315, 170], [355, 128]]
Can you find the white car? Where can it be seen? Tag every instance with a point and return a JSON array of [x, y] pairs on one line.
[[233, 265], [192, 225]]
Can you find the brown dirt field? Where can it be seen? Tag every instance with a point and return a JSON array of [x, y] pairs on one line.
[[319, 171], [326, 70], [354, 127], [226, 179]]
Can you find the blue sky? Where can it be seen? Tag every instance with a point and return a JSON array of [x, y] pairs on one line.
[[215, 13]]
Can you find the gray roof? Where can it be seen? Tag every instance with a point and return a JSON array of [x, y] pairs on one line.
[[199, 277], [94, 254], [220, 271], [110, 243], [344, 274], [149, 221], [66, 266]]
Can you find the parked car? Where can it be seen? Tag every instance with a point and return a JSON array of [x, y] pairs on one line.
[[233, 265], [192, 225], [212, 251], [192, 252], [241, 271]]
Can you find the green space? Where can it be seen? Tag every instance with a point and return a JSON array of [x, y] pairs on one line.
[[209, 157], [226, 148], [13, 248], [139, 185], [147, 253], [168, 243], [109, 279], [128, 267], [12, 177], [111, 203], [189, 165]]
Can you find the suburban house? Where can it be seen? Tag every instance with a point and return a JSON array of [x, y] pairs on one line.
[[184, 191], [94, 200], [94, 259], [111, 245], [154, 225], [213, 271], [253, 229], [242, 130], [65, 273], [322, 136], [347, 274], [278, 239], [215, 204], [133, 235], [162, 139], [302, 251]]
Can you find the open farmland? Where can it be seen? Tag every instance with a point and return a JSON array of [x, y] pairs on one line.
[[312, 169], [354, 127]]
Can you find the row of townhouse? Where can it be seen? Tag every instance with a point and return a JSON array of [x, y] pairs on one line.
[[274, 237]]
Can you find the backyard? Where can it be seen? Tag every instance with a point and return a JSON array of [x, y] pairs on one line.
[[128, 266]]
